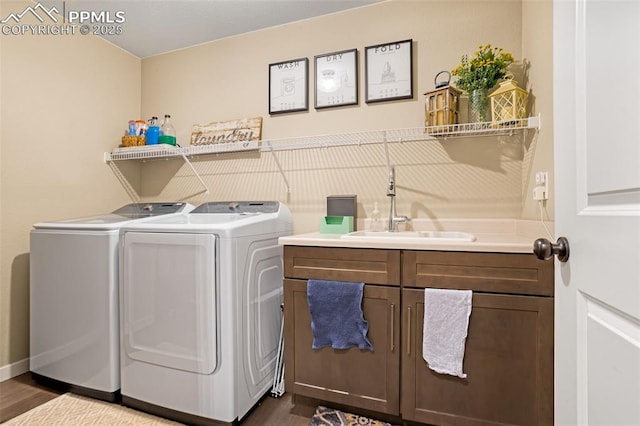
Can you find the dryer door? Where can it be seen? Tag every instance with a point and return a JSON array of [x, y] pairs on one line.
[[168, 294]]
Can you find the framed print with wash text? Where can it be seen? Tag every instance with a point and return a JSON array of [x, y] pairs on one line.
[[288, 86], [389, 71], [336, 79]]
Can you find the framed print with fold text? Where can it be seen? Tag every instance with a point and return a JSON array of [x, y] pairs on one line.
[[336, 79], [289, 86], [389, 71]]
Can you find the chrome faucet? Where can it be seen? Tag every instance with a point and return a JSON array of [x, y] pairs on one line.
[[394, 219]]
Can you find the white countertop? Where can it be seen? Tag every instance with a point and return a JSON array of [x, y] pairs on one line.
[[492, 235]]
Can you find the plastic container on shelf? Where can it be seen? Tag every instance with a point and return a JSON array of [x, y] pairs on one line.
[[153, 132], [167, 131]]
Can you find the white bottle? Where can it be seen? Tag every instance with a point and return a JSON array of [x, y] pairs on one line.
[[376, 224]]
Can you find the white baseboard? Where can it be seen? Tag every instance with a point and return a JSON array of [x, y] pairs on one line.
[[12, 370]]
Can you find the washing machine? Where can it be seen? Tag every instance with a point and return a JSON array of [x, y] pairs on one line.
[[201, 299], [74, 316]]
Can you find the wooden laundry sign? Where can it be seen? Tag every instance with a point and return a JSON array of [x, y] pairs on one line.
[[242, 132]]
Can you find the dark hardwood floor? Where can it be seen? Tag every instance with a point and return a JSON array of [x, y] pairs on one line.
[[21, 394]]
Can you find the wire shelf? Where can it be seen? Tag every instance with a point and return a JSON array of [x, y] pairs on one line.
[[221, 148], [143, 152], [484, 128], [344, 139]]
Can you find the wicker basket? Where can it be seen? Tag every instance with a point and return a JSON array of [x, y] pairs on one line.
[[130, 140]]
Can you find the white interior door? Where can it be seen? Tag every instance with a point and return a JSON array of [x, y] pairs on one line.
[[597, 166]]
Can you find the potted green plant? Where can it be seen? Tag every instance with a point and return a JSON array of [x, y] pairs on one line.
[[478, 75]]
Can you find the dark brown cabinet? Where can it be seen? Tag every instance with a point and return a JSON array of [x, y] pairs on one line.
[[509, 348], [354, 377], [508, 361]]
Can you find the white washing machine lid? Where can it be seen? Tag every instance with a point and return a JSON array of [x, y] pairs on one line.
[[129, 213], [226, 219]]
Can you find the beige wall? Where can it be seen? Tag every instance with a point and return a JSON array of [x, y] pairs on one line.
[[228, 79], [537, 42], [81, 91], [64, 102]]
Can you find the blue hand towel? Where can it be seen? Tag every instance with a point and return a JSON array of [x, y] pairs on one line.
[[336, 314]]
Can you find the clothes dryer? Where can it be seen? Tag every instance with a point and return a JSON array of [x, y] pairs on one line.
[[74, 320], [201, 310]]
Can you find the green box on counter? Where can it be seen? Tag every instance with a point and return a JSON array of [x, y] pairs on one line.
[[336, 225]]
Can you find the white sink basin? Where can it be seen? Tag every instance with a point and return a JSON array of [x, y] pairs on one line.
[[444, 236]]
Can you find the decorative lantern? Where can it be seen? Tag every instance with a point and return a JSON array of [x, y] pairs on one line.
[[441, 105], [508, 102]]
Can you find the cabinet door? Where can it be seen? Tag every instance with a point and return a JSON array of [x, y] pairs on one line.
[[354, 377], [372, 266], [511, 273], [508, 361]]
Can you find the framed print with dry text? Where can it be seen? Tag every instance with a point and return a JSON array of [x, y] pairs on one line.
[[336, 79], [288, 86], [389, 71]]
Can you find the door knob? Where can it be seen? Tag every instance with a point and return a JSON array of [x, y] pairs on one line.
[[545, 249]]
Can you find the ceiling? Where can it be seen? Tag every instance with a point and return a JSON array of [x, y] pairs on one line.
[[152, 27]]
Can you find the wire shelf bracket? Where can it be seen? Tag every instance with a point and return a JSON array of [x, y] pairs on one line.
[[148, 152]]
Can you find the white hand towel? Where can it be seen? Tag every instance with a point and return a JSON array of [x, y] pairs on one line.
[[446, 321]]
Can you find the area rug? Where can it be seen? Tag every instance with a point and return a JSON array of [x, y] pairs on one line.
[[329, 417], [74, 410]]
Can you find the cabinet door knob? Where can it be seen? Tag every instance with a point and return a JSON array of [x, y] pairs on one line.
[[545, 249]]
